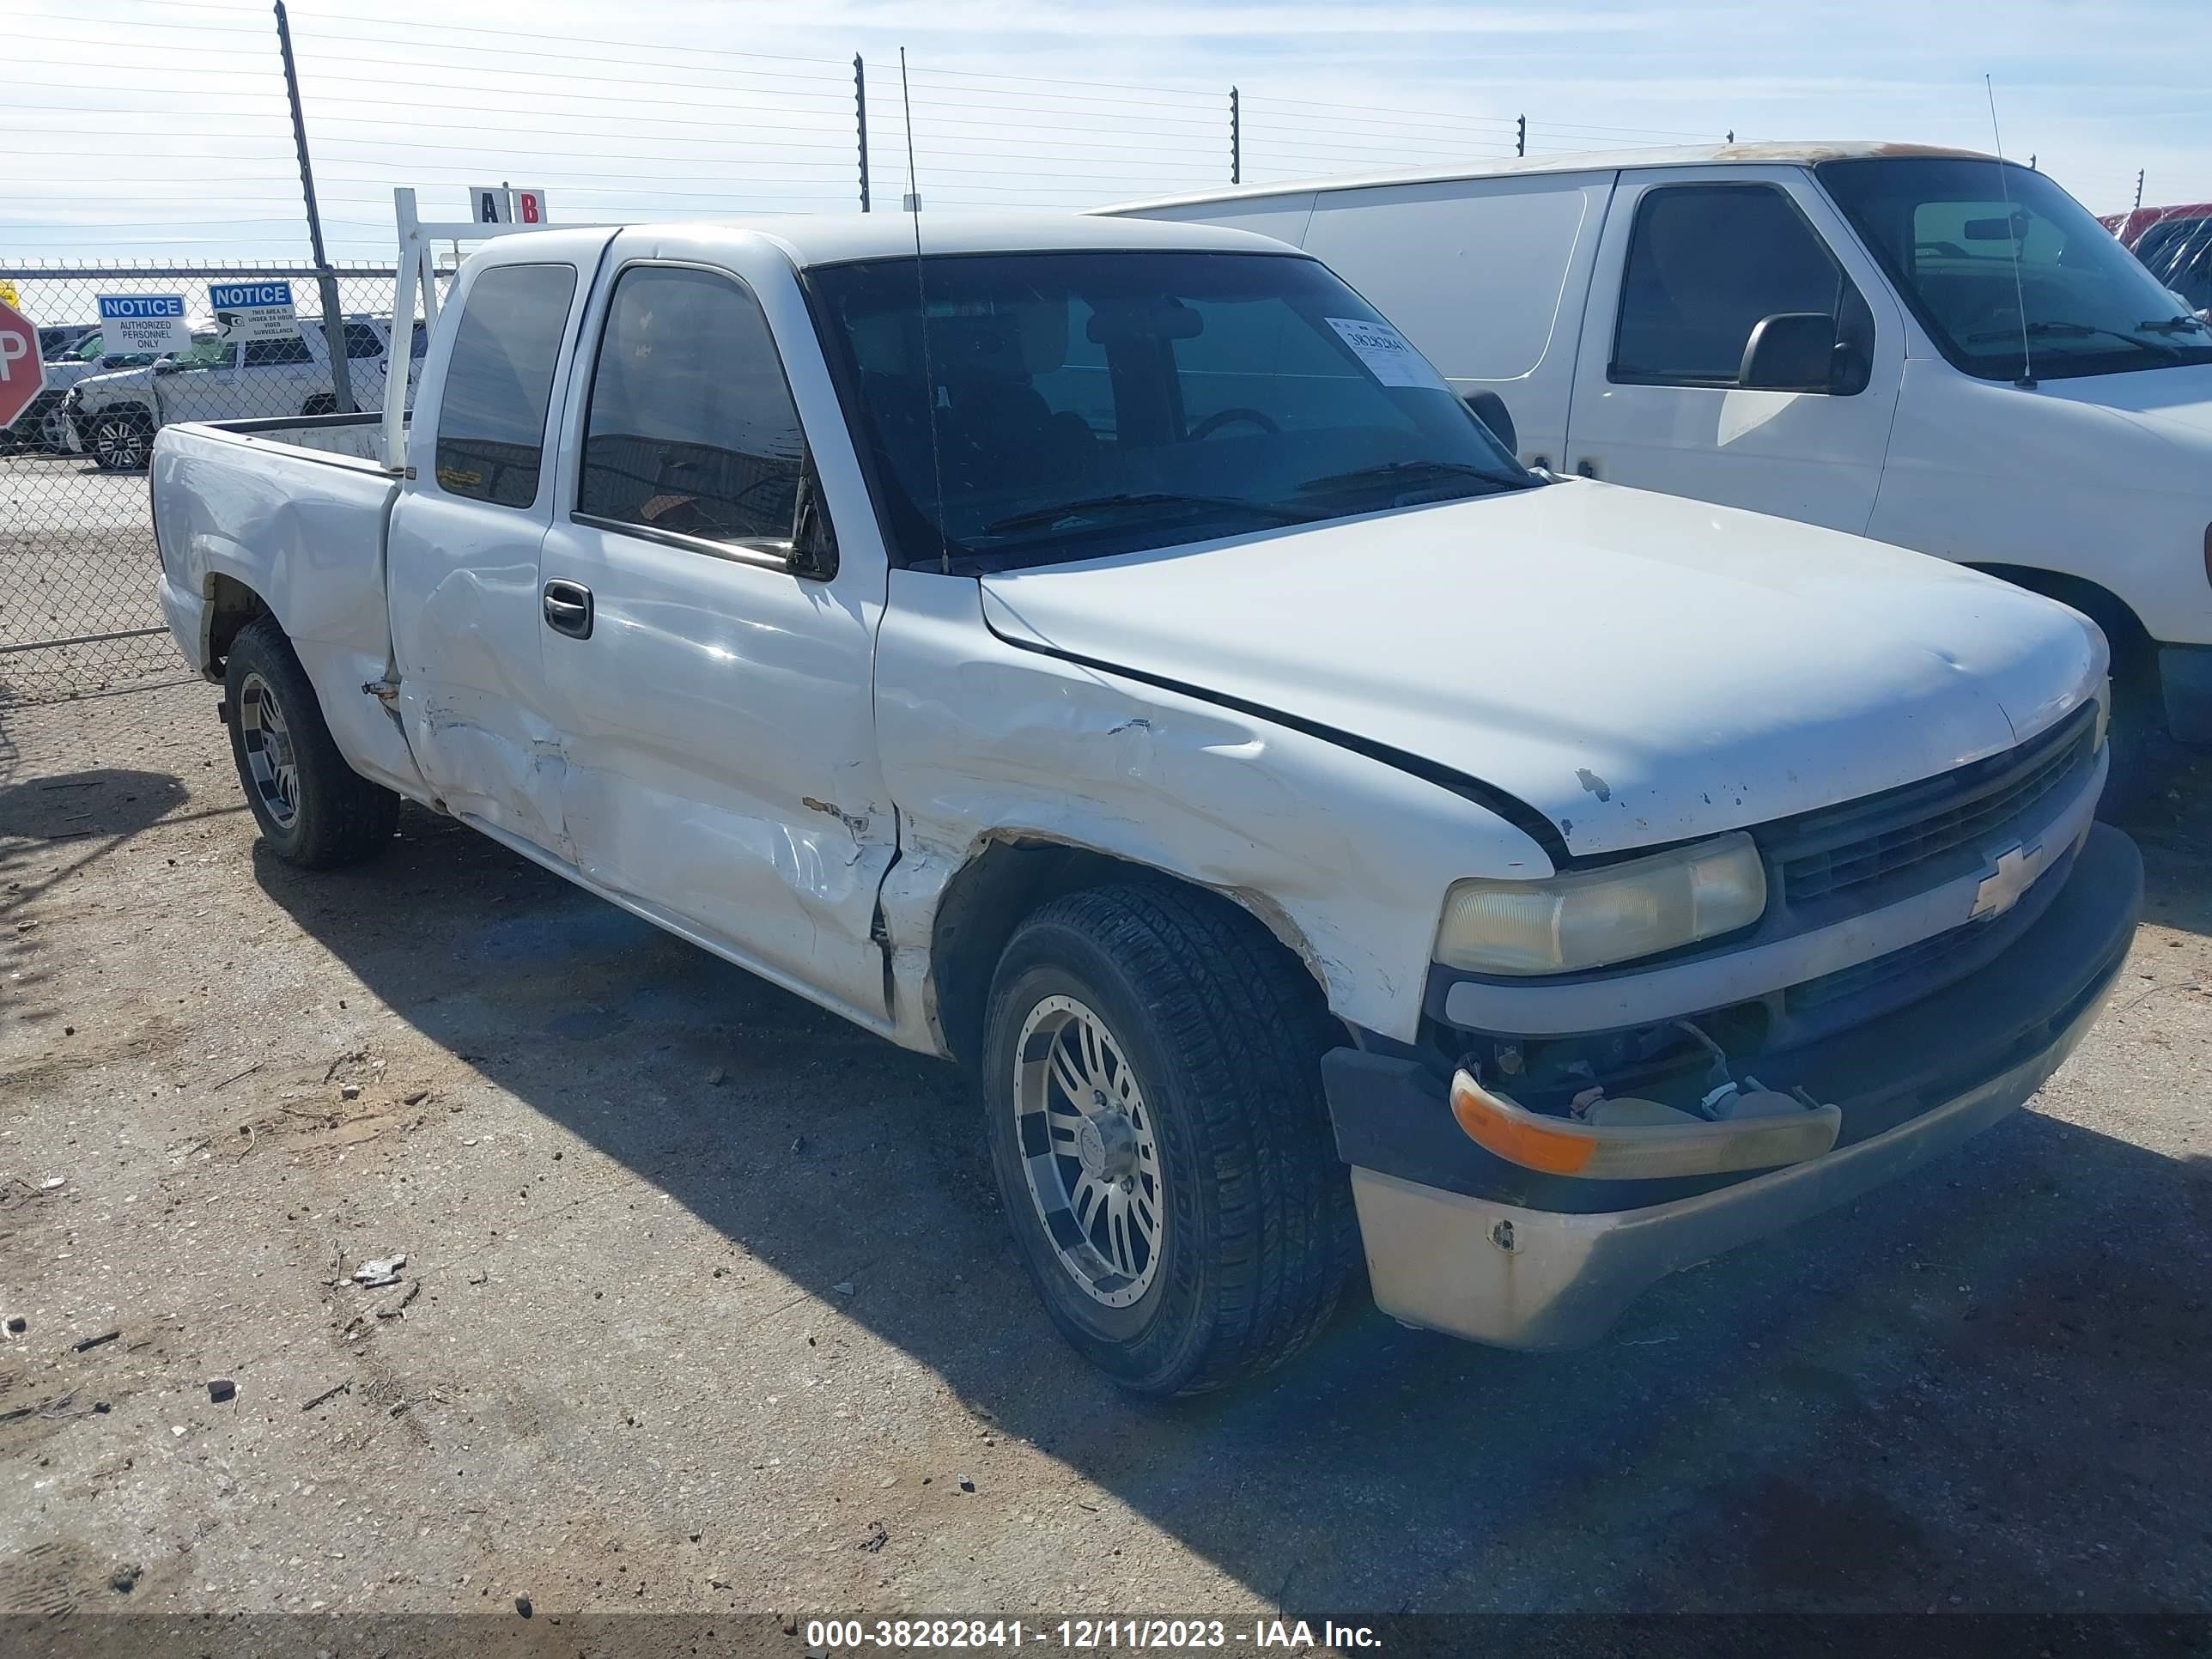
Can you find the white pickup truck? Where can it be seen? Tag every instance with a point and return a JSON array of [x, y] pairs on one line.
[[1104, 653]]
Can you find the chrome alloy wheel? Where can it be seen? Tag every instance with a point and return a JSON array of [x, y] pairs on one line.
[[1088, 1152], [120, 442], [269, 754]]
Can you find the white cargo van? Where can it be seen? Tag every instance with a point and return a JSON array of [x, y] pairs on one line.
[[1919, 345]]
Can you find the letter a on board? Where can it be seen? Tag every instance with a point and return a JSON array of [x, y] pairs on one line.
[[493, 206]]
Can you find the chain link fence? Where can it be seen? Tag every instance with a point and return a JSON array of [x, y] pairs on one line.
[[78, 609]]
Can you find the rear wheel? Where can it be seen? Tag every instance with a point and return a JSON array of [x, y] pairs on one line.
[[120, 438], [321, 404], [314, 811], [1160, 1140]]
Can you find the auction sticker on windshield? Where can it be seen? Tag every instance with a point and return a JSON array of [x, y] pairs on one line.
[[1386, 354]]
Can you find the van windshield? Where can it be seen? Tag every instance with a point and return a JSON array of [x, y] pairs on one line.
[[1022, 409], [2007, 272]]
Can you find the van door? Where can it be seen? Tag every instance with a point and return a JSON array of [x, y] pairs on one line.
[[1485, 276], [714, 683], [1692, 262], [461, 557]]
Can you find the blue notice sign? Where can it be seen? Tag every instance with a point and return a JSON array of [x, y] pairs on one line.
[[142, 322], [248, 296], [254, 310]]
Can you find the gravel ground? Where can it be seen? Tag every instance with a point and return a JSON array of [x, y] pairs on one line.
[[707, 1303]]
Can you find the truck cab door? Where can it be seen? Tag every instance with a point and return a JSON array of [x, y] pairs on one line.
[[1692, 262], [461, 554], [709, 654]]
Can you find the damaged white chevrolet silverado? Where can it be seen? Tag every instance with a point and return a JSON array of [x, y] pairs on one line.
[[1104, 653]]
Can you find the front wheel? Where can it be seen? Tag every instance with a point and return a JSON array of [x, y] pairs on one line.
[[1159, 1137], [120, 438], [314, 811]]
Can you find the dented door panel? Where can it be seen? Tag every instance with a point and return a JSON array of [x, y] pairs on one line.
[[464, 594], [717, 755]]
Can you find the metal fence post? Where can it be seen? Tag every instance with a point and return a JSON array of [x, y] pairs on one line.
[[325, 278], [860, 121], [1235, 139]]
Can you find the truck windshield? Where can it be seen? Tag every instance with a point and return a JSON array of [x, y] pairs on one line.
[[1022, 409], [2006, 271]]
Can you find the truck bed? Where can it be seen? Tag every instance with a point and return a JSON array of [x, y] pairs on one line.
[[293, 511]]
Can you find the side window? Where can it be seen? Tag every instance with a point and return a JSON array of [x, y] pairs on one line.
[[690, 426], [266, 353], [1705, 263], [419, 348], [362, 341], [499, 383]]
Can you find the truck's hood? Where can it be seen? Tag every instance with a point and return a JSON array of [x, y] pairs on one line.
[[1638, 668], [2175, 403]]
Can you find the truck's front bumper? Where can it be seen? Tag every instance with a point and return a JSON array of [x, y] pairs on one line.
[[1524, 1277]]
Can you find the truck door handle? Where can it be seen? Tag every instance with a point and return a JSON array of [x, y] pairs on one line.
[[568, 609]]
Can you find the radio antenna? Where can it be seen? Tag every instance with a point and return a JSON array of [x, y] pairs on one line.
[[921, 305], [2019, 289]]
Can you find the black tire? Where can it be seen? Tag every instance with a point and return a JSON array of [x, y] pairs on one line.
[[322, 403], [1224, 1034], [2144, 756], [330, 815], [121, 439]]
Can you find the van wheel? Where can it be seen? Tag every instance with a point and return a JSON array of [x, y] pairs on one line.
[[2144, 756], [314, 811], [1159, 1136], [321, 404], [121, 439]]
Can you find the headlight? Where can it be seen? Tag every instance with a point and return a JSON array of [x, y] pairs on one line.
[[1588, 918]]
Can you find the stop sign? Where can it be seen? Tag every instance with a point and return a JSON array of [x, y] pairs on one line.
[[22, 372]]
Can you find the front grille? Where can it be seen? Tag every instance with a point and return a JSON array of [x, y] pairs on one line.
[[1830, 852], [1926, 957]]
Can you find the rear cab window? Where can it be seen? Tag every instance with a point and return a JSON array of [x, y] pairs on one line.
[[490, 443]]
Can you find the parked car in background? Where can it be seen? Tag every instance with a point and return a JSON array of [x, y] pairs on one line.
[[1908, 343], [113, 418], [77, 355], [1103, 651], [56, 339], [2174, 244]]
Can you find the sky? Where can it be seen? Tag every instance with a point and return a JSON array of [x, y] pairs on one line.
[[158, 129]]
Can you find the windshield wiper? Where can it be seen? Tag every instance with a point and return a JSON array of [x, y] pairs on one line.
[[1386, 472], [1092, 506], [2074, 331], [2177, 325]]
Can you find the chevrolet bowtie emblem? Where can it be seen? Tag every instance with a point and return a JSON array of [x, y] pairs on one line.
[[2017, 867]]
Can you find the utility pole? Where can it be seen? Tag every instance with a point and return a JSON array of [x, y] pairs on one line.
[[1235, 139], [1521, 136], [2139, 178], [325, 278], [861, 119]]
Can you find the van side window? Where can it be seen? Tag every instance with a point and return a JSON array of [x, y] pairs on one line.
[[1705, 263], [499, 383], [690, 427], [362, 341]]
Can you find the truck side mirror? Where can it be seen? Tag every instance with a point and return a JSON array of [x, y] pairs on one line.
[[1791, 351], [1489, 408]]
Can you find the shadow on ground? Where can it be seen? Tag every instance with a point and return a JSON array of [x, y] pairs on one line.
[[1983, 1386], [51, 828]]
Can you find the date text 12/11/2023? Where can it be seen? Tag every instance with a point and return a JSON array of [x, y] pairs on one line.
[[1084, 1635]]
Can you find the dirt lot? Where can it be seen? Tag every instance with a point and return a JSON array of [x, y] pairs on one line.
[[707, 1303]]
